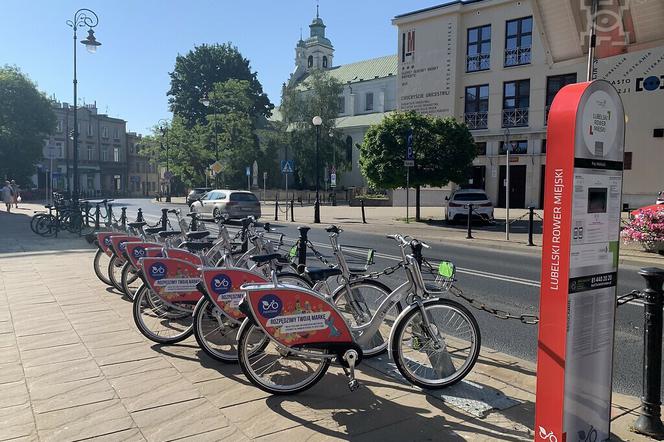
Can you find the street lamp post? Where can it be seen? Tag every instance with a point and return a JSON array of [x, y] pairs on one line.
[[164, 131], [82, 17], [317, 121], [207, 103], [507, 184]]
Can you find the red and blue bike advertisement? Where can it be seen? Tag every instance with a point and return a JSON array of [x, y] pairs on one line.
[[118, 245], [184, 255], [223, 287], [104, 241], [295, 316], [137, 250], [172, 280]]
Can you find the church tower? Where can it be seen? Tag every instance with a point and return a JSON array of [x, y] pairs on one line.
[[315, 52]]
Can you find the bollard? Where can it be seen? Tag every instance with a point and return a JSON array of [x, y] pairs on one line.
[[292, 213], [531, 214], [649, 421], [123, 217], [97, 216], [302, 249], [193, 226], [276, 210], [469, 234], [164, 218], [109, 215], [334, 199], [139, 216], [244, 237], [308, 198], [364, 218]]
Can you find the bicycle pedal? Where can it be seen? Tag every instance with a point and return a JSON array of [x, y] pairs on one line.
[[353, 385]]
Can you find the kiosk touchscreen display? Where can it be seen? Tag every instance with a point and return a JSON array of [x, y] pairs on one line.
[[597, 197]]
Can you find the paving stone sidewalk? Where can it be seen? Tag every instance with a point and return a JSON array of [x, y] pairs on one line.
[[74, 367]]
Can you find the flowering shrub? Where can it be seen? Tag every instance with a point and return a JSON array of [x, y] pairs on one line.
[[647, 228]]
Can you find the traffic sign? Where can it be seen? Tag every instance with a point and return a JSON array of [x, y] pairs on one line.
[[410, 155], [247, 171], [287, 166], [333, 179], [409, 163], [168, 175], [216, 167]]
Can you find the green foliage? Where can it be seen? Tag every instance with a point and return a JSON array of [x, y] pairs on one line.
[[317, 95], [197, 73], [26, 118], [444, 150]]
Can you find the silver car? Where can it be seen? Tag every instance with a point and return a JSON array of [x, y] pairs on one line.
[[232, 204]]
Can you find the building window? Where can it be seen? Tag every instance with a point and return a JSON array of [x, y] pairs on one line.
[[477, 106], [117, 182], [324, 61], [131, 147], [518, 41], [116, 133], [91, 152], [116, 154], [627, 161], [342, 104], [310, 61], [543, 146], [516, 101], [91, 182], [369, 101], [104, 153], [59, 127], [90, 130], [481, 148], [553, 85], [349, 151], [478, 51], [59, 152], [518, 147], [104, 132]]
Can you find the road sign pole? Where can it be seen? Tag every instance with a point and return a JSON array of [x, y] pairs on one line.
[[265, 186], [407, 191]]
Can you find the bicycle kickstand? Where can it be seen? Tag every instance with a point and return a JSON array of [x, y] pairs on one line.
[[350, 356]]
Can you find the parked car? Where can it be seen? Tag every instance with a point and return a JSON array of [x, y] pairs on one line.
[[196, 194], [233, 204], [457, 205]]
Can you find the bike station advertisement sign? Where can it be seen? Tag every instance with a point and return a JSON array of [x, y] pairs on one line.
[[104, 241], [137, 250], [173, 280], [223, 286], [583, 190], [118, 244]]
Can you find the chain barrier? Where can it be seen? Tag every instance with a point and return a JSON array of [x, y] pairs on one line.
[[538, 216], [318, 255], [385, 272], [628, 297]]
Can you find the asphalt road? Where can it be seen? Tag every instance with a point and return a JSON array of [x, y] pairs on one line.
[[502, 279]]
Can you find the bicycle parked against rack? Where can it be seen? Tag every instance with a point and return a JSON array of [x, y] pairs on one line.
[[434, 342]]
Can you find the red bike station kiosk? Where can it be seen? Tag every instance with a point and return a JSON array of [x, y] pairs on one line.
[[583, 189]]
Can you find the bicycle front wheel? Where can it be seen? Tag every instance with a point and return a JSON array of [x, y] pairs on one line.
[[101, 262], [443, 353], [359, 306], [275, 369], [130, 281], [115, 272], [158, 321]]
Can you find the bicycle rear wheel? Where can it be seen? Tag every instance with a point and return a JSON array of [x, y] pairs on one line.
[[276, 369], [439, 355], [101, 262], [130, 281], [46, 225], [115, 266], [158, 321]]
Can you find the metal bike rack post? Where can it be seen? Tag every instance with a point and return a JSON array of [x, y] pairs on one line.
[[531, 214], [97, 216], [194, 222], [123, 217], [139, 216], [364, 218], [469, 234], [164, 218], [649, 421], [109, 215], [292, 213], [302, 249]]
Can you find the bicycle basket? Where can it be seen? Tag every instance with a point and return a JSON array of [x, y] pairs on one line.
[[440, 277], [358, 258]]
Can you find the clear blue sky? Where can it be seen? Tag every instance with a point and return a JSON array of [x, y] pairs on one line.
[[128, 76]]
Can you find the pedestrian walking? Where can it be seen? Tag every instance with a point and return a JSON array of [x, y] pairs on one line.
[[16, 193], [7, 195]]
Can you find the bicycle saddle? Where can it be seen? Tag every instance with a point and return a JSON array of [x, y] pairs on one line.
[[153, 230], [333, 229], [48, 206], [200, 234], [169, 233], [321, 274], [260, 259], [192, 214], [136, 224], [196, 246]]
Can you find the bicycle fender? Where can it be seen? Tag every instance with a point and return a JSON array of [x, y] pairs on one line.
[[246, 323]]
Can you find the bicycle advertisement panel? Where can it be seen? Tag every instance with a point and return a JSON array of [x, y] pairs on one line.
[[137, 250], [118, 245], [172, 280], [223, 286], [104, 241]]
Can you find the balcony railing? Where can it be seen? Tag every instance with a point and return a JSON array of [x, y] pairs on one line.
[[517, 117], [476, 120], [478, 62], [517, 56]]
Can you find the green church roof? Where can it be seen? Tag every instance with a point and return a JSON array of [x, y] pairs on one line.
[[364, 70]]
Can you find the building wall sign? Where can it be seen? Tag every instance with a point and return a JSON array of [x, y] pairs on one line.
[[583, 191], [427, 55]]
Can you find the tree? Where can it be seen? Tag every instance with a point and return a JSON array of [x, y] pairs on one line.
[[444, 151], [26, 119], [196, 73], [318, 95]]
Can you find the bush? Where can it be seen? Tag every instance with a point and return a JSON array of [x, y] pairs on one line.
[[646, 228]]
